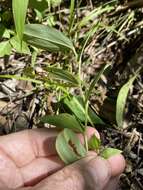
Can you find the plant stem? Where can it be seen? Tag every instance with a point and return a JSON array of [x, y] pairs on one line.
[[85, 141], [79, 62], [86, 120]]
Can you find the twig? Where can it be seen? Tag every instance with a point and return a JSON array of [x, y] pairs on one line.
[[115, 42]]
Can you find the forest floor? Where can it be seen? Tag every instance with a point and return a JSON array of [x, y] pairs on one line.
[[21, 103]]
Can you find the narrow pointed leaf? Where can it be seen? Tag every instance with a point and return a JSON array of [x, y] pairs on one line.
[[121, 101], [95, 80], [76, 105], [62, 121], [46, 37], [69, 146], [108, 152], [24, 78], [63, 75], [19, 8]]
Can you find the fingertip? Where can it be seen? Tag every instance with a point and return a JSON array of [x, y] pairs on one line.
[[117, 164], [89, 132], [92, 131]]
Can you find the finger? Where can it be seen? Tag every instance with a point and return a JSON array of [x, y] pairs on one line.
[[9, 173], [113, 184], [44, 166], [92, 131], [91, 173], [39, 169], [23, 147], [89, 133], [117, 164]]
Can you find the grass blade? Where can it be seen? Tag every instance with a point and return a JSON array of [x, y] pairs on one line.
[[95, 80]]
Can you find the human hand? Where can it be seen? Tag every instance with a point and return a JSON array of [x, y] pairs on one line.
[[28, 158]]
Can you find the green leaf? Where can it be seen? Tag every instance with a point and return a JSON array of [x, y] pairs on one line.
[[4, 33], [69, 146], [95, 80], [20, 48], [21, 78], [94, 117], [19, 8], [108, 152], [62, 121], [63, 75], [94, 143], [46, 37], [5, 48], [121, 101], [76, 105]]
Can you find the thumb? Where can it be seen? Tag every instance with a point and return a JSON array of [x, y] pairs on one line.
[[91, 173]]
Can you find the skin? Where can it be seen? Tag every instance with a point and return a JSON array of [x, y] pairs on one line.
[[28, 161]]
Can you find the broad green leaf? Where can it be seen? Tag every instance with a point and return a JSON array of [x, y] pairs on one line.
[[121, 101], [94, 143], [76, 105], [63, 75], [69, 146], [94, 82], [62, 121], [19, 8], [5, 48], [46, 37], [108, 152], [20, 48]]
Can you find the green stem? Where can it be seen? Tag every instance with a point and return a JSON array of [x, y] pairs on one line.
[[79, 62], [85, 141], [86, 121]]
